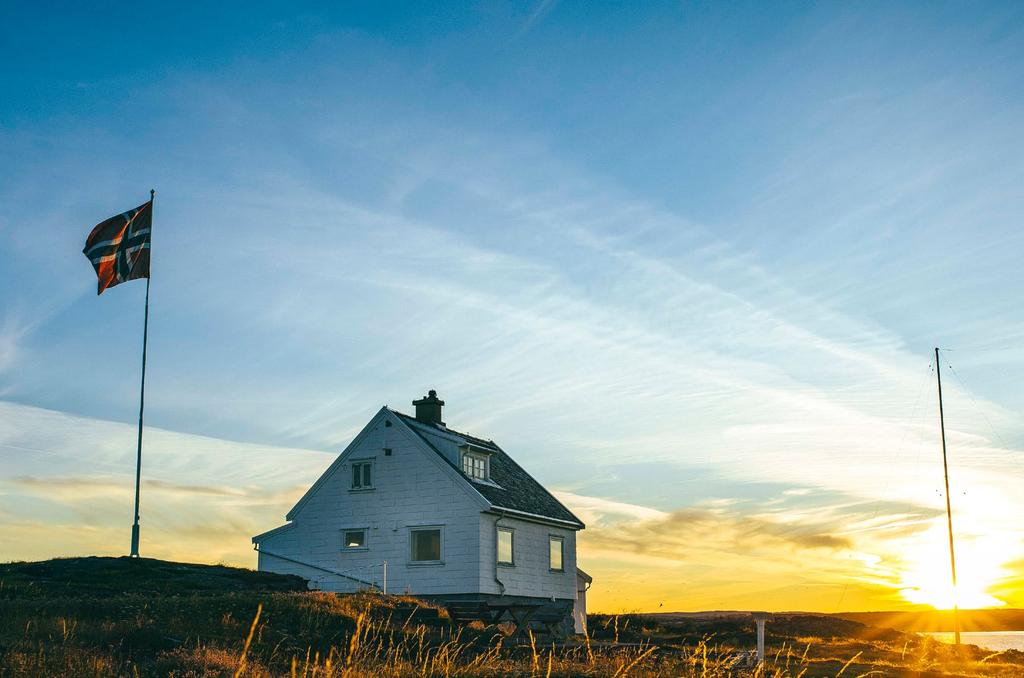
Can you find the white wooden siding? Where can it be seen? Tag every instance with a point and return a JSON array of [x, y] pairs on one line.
[[579, 608], [531, 574], [411, 488]]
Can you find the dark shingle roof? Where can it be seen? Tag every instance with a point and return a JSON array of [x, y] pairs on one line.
[[517, 490]]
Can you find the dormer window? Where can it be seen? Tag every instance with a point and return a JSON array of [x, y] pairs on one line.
[[476, 465]]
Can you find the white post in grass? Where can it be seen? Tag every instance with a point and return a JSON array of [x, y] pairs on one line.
[[385, 577], [760, 618]]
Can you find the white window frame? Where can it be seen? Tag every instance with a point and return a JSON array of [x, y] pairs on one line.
[[351, 477], [426, 528], [484, 459], [561, 541], [366, 538], [497, 546]]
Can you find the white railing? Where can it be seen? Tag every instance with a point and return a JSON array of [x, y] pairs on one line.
[[364, 578], [372, 577]]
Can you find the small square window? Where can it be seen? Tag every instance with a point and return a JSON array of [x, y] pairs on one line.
[[354, 539], [362, 475], [387, 451], [426, 545], [556, 553], [506, 546]]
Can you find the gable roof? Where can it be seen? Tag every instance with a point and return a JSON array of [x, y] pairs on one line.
[[383, 413], [513, 489]]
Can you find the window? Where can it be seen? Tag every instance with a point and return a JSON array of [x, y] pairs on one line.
[[362, 475], [353, 539], [556, 553], [474, 465], [505, 543], [426, 545]]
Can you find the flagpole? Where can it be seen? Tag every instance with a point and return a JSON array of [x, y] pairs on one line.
[[949, 510], [142, 398]]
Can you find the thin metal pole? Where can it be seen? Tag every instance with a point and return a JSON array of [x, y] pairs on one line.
[[949, 510], [142, 398], [760, 640]]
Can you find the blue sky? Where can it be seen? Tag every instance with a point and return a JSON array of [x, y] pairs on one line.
[[685, 261]]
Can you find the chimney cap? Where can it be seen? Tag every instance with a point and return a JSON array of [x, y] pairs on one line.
[[428, 408], [431, 397]]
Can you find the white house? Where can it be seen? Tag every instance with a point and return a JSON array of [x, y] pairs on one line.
[[412, 506]]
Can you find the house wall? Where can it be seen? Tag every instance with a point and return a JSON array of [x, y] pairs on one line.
[[411, 488], [531, 575], [579, 609]]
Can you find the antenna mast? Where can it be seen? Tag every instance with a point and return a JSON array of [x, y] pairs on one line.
[[949, 511]]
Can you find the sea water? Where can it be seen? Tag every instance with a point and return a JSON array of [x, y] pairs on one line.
[[992, 640]]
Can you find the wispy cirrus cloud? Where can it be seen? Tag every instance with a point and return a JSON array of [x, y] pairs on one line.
[[687, 315], [15, 329], [80, 474], [828, 549], [102, 484]]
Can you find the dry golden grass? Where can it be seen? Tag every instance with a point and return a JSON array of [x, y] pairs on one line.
[[49, 628], [371, 641]]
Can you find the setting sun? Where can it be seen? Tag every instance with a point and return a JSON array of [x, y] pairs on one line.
[[689, 328], [926, 579]]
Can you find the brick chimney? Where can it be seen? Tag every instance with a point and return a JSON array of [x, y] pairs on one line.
[[428, 409]]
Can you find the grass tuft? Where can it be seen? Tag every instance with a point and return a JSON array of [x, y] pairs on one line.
[[52, 623]]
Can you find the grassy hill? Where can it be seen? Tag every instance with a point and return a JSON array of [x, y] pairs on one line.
[[145, 576], [123, 617]]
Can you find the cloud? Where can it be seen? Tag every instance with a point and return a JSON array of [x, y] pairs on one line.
[[9, 338], [719, 551], [101, 484], [683, 534], [224, 491], [14, 331], [418, 235], [537, 14], [592, 510], [73, 483], [577, 289], [184, 516]]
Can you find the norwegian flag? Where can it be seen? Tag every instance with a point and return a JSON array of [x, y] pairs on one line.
[[119, 247]]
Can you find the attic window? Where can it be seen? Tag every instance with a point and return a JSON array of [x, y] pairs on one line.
[[362, 475], [475, 465]]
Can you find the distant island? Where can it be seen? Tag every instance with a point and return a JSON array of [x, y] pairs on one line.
[[907, 621], [936, 621]]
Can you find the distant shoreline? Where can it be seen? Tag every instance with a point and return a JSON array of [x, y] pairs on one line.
[[911, 621]]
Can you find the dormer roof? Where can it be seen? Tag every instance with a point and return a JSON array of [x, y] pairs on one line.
[[511, 489]]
